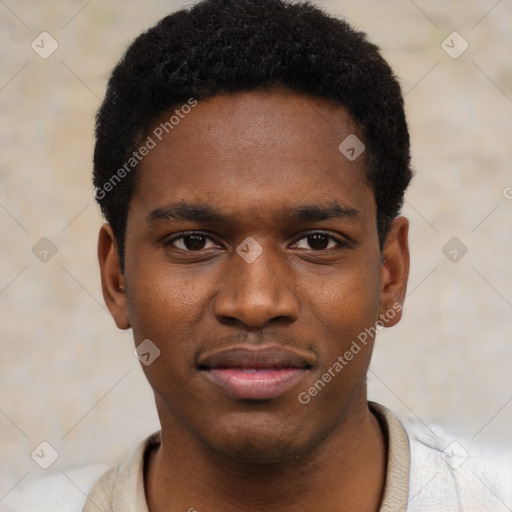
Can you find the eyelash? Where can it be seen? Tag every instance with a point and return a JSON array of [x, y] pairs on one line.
[[339, 242]]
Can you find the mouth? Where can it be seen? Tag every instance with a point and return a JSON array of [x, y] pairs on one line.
[[255, 372]]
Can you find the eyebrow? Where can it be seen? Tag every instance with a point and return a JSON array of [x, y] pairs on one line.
[[311, 213], [185, 211], [206, 213]]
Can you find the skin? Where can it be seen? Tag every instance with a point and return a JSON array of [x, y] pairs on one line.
[[254, 156]]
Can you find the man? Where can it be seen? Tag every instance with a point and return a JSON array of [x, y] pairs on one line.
[[251, 159]]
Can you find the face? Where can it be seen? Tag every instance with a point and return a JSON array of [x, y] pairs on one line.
[[253, 264]]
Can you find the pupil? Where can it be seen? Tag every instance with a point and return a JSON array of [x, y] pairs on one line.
[[194, 242], [318, 241]]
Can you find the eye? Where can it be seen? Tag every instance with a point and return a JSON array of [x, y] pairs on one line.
[[192, 242], [318, 242]]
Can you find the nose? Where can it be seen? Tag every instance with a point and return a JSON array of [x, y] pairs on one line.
[[256, 294]]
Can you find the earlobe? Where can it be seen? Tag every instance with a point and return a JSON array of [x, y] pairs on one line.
[[394, 271], [112, 278]]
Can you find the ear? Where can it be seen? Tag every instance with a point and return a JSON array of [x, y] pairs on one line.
[[112, 278], [395, 271]]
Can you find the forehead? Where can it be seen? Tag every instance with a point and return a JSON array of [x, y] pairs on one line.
[[253, 148]]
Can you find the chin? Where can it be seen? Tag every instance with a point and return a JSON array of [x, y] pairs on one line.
[[259, 451], [266, 445]]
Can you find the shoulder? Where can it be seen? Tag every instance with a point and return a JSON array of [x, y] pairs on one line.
[[71, 490], [63, 491], [452, 473]]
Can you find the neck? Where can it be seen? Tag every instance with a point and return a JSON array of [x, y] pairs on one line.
[[344, 472]]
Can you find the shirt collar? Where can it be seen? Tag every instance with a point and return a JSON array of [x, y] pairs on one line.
[[121, 489]]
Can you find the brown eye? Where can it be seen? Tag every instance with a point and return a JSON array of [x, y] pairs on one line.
[[192, 242], [317, 242]]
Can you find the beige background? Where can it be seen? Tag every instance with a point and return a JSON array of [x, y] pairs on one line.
[[68, 376]]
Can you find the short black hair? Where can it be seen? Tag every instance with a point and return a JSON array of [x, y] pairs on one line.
[[228, 46]]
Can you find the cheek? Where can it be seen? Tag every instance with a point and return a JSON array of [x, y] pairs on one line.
[[165, 297], [171, 305], [345, 313], [167, 308], [164, 307], [348, 302]]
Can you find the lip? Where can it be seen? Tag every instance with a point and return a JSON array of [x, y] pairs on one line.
[[255, 372]]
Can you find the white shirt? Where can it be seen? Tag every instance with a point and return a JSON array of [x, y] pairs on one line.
[[427, 470]]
